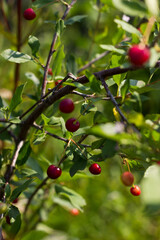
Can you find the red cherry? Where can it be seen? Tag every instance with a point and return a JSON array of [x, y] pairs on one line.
[[57, 82], [66, 105], [72, 125], [139, 55], [127, 178], [136, 191], [74, 212], [54, 172], [50, 71], [29, 14], [95, 169], [15, 200]]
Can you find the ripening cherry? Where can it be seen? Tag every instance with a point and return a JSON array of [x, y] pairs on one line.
[[74, 211], [50, 71], [127, 178], [15, 201], [54, 172], [29, 14], [72, 124], [135, 190], [95, 169], [66, 105], [139, 55], [57, 82]]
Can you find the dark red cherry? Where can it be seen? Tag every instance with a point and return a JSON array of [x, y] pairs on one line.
[[29, 14], [95, 169], [66, 105], [72, 125], [54, 172]]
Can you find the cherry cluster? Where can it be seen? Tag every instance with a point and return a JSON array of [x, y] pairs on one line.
[[128, 180], [72, 125]]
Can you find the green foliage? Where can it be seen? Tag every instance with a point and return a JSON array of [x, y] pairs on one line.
[[17, 98], [14, 56], [89, 40]]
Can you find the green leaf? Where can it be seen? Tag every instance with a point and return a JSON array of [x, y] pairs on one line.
[[1, 102], [29, 173], [17, 191], [115, 132], [117, 60], [128, 27], [150, 187], [66, 204], [15, 227], [71, 64], [24, 154], [34, 44], [35, 234], [112, 48], [60, 26], [109, 149], [45, 119], [59, 121], [7, 190], [99, 118], [87, 107], [78, 85], [33, 78], [94, 83], [79, 163], [123, 88], [74, 19], [43, 3], [40, 137], [97, 144], [17, 98], [58, 60], [76, 199], [133, 8], [15, 120], [153, 7], [14, 56]]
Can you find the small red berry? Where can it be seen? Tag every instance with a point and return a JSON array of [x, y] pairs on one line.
[[57, 82], [139, 55], [15, 200], [29, 14], [127, 178], [50, 71], [72, 125], [74, 211], [95, 169], [54, 172], [66, 105], [136, 191]]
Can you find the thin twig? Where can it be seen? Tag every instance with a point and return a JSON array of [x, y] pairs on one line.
[[19, 23], [50, 134], [34, 193], [52, 50], [11, 166], [93, 61], [124, 119]]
